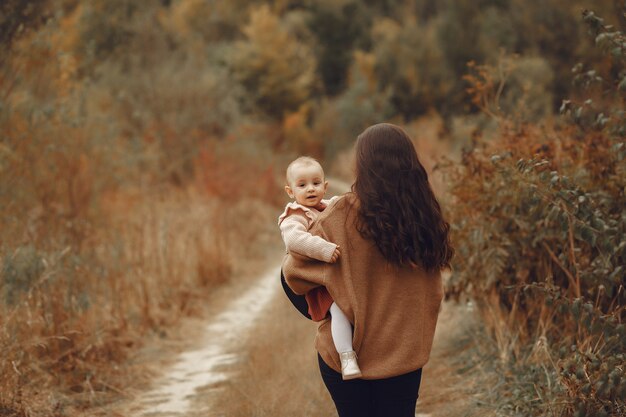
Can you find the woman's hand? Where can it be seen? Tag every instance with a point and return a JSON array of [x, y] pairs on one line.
[[336, 254]]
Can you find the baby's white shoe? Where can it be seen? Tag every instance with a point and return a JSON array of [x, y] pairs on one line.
[[349, 366]]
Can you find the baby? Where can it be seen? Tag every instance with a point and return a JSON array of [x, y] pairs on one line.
[[306, 184]]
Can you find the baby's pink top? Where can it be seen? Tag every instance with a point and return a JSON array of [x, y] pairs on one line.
[[294, 225]]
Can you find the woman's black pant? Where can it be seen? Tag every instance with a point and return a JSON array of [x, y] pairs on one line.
[[391, 397]]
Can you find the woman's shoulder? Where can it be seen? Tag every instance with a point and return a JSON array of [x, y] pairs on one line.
[[338, 207], [346, 201]]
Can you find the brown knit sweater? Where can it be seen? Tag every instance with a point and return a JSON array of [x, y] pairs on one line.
[[393, 309]]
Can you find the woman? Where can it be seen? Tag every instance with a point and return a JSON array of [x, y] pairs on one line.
[[394, 244]]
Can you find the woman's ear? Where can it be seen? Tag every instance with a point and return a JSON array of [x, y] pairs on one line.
[[289, 191]]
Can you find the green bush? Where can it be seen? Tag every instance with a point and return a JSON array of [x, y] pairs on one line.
[[20, 271], [539, 221], [277, 71], [338, 29], [542, 244], [410, 66]]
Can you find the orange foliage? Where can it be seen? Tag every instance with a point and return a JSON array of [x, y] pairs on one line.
[[366, 63], [299, 135], [93, 260]]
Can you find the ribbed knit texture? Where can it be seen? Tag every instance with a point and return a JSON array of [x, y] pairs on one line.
[[394, 310], [294, 226]]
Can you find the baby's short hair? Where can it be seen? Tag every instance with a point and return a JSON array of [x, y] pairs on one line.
[[302, 160]]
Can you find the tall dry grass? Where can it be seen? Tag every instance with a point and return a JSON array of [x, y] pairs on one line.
[[122, 206], [278, 374], [71, 313], [539, 224]]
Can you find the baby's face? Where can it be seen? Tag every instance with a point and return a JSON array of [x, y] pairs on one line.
[[306, 184]]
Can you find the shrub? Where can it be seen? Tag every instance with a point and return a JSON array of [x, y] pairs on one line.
[[409, 64], [517, 88], [544, 259], [540, 225], [362, 104], [277, 71], [338, 29], [112, 227]]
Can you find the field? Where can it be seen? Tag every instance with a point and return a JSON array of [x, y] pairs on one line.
[[142, 151]]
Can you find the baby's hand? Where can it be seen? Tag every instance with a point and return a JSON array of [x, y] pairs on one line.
[[336, 254]]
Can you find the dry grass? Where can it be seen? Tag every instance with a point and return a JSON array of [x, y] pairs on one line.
[[454, 380], [159, 354], [278, 375], [122, 208], [67, 331]]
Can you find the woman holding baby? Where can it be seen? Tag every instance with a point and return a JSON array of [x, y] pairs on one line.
[[387, 281]]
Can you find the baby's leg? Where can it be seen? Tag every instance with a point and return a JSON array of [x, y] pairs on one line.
[[341, 329]]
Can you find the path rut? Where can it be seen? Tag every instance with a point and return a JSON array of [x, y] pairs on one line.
[[206, 367]]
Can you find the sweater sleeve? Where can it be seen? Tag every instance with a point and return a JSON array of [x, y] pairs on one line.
[[302, 274], [298, 240]]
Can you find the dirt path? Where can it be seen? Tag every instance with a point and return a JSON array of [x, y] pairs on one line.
[[212, 363]]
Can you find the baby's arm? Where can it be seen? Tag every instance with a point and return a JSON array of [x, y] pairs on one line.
[[298, 240]]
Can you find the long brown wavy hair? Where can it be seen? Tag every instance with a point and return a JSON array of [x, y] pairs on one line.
[[398, 209]]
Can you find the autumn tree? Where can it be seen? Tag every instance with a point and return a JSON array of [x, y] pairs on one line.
[[17, 16], [276, 69], [338, 28], [410, 64]]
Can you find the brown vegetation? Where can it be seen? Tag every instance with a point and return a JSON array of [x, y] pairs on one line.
[[538, 215], [141, 148], [119, 211]]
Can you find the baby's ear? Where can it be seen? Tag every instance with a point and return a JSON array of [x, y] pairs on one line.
[[288, 191]]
